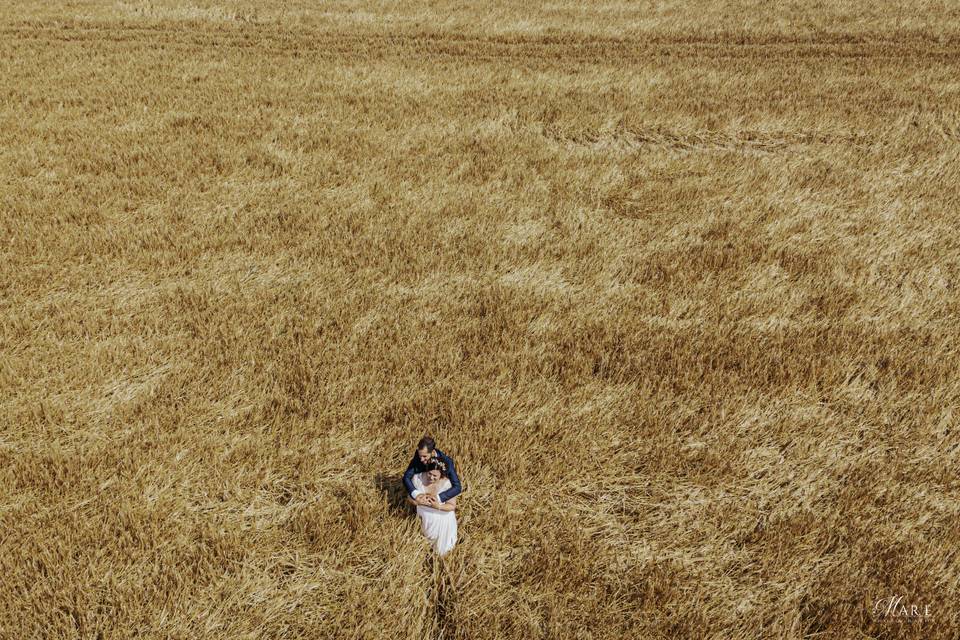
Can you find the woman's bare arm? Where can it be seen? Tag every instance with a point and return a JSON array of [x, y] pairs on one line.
[[449, 505]]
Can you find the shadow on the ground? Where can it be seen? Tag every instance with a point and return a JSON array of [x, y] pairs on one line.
[[395, 493]]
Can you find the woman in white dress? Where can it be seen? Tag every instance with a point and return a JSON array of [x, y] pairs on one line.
[[438, 521]]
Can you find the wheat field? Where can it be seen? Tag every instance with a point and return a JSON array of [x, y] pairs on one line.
[[675, 284]]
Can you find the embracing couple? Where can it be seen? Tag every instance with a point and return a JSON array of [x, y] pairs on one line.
[[433, 486]]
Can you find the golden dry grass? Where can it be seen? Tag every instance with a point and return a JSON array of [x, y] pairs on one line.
[[674, 282]]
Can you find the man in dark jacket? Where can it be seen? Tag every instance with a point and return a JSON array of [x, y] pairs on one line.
[[426, 451]]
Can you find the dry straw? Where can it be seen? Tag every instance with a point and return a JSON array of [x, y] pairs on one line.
[[675, 283]]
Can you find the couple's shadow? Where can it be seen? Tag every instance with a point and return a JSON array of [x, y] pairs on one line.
[[394, 493]]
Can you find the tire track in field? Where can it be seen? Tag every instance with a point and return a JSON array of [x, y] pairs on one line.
[[442, 595], [758, 142], [569, 48]]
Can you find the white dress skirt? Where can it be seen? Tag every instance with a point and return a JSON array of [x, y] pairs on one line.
[[440, 527]]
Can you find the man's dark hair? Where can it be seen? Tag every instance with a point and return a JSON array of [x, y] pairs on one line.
[[426, 442]]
